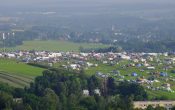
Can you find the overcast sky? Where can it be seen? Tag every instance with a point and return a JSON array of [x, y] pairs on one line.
[[79, 4], [25, 2]]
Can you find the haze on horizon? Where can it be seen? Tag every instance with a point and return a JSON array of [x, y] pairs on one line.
[[78, 3]]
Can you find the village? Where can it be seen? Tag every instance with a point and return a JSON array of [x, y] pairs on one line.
[[155, 71]]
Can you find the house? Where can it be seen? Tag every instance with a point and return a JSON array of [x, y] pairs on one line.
[[97, 91], [86, 92]]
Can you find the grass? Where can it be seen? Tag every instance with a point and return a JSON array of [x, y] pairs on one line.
[[160, 94], [106, 68], [20, 74], [14, 81], [17, 74], [126, 71], [55, 46], [13, 66]]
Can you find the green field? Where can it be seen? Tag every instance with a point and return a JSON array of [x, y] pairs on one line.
[[55, 46], [161, 94], [17, 74], [126, 72]]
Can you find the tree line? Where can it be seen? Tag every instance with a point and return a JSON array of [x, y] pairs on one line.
[[60, 89]]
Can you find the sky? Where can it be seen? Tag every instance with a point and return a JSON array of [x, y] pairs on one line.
[[79, 4], [27, 2]]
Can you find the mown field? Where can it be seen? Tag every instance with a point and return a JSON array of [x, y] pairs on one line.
[[17, 74], [54, 46]]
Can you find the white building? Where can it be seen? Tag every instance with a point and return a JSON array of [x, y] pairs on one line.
[[86, 92]]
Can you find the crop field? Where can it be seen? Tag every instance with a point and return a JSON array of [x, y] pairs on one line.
[[16, 73], [55, 46]]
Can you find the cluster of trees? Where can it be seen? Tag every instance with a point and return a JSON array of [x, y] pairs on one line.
[[63, 90], [136, 45], [102, 50], [17, 38], [10, 40], [138, 40]]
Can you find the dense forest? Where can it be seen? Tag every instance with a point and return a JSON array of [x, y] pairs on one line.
[[66, 90]]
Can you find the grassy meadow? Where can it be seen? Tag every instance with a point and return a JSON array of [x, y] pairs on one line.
[[19, 74], [126, 72], [54, 46], [16, 73]]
